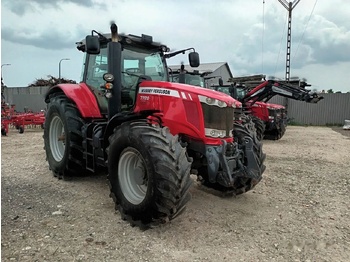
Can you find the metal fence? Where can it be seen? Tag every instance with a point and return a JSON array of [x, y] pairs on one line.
[[31, 98], [332, 110]]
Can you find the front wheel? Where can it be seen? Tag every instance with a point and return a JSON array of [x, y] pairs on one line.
[[259, 126], [148, 173], [241, 131]]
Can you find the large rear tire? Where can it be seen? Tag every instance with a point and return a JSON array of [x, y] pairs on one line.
[[148, 173], [63, 137]]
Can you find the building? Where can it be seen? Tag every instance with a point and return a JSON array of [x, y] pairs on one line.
[[215, 71]]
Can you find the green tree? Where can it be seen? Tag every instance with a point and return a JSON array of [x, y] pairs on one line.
[[330, 91]]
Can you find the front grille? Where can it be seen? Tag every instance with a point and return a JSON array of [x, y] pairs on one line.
[[220, 118], [272, 113]]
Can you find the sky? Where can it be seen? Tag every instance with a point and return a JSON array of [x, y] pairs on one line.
[[250, 35]]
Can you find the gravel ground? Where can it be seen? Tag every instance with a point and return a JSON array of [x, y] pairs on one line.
[[299, 212]]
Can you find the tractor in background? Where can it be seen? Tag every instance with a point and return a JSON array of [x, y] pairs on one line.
[[148, 134], [254, 92], [193, 77]]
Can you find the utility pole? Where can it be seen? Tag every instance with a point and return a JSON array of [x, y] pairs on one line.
[[289, 6]]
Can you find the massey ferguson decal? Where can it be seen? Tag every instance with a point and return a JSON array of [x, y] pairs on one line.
[[158, 91]]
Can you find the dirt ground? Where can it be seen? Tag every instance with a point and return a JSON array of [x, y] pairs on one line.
[[300, 211]]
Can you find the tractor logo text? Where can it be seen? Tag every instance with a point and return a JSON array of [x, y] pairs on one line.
[[159, 91]]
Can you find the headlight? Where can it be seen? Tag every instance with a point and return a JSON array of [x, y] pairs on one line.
[[212, 101], [108, 77]]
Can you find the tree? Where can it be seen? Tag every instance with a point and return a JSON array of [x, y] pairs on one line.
[[51, 81], [330, 91]]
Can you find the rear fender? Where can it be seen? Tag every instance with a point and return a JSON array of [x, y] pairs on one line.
[[82, 96]]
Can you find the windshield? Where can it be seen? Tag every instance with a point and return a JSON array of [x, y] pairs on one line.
[[135, 62], [194, 80], [240, 92]]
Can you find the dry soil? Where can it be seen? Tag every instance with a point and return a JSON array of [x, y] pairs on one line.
[[298, 212]]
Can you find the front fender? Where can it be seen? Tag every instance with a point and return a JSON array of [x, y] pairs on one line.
[[82, 96]]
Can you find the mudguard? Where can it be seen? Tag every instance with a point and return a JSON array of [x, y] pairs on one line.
[[82, 96]]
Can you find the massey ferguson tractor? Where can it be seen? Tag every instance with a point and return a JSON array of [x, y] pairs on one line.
[[147, 133], [194, 78], [270, 119]]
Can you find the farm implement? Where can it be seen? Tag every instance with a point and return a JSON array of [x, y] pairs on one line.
[[9, 117]]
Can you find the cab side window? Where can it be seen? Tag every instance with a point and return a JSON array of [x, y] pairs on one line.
[[96, 69]]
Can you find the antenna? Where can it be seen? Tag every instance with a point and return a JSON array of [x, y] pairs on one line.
[[289, 6]]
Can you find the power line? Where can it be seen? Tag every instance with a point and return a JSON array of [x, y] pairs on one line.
[[279, 52], [302, 36]]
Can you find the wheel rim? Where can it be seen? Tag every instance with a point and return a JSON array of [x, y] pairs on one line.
[[57, 138], [132, 176]]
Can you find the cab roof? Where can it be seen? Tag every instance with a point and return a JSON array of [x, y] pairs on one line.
[[143, 40]]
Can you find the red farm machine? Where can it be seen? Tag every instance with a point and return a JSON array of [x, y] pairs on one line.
[[194, 78], [9, 117], [254, 92], [147, 133]]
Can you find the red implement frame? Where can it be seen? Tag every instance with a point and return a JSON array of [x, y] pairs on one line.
[[9, 117]]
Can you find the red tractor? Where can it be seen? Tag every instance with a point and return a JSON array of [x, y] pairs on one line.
[[194, 78], [270, 119], [147, 133]]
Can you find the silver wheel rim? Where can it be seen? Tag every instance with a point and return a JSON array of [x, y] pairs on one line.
[[132, 176], [57, 138]]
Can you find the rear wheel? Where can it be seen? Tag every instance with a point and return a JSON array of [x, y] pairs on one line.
[[148, 173], [63, 137]]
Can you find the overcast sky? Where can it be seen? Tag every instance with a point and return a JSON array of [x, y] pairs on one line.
[[248, 34]]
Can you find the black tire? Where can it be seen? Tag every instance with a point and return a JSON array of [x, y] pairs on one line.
[[278, 132], [259, 126], [241, 130], [284, 123], [21, 129], [3, 132], [63, 137], [242, 184], [161, 170]]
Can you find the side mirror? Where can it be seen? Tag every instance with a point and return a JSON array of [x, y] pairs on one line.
[[193, 57], [92, 44]]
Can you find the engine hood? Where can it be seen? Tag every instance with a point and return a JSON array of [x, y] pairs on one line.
[[185, 89], [275, 106]]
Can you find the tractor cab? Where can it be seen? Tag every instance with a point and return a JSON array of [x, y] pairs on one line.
[[127, 60], [139, 59], [189, 77]]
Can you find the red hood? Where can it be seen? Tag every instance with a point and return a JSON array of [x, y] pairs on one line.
[[195, 90]]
